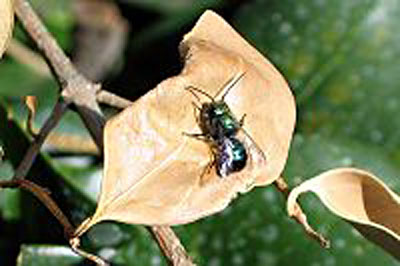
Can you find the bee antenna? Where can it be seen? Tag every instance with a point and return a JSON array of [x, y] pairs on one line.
[[231, 84], [192, 89]]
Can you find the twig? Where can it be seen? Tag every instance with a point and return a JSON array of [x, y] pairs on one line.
[[112, 99], [44, 196], [300, 217], [34, 149], [75, 245], [81, 92]]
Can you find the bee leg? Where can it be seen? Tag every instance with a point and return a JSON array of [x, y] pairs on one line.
[[211, 164], [199, 136], [241, 122], [208, 167], [196, 108], [194, 135]]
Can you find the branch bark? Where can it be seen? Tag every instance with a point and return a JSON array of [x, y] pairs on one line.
[[112, 100]]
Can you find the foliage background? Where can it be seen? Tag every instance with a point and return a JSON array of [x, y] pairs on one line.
[[341, 58]]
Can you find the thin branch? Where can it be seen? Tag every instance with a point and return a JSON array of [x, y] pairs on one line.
[[112, 99], [23, 168], [44, 196], [75, 245], [171, 246], [299, 216]]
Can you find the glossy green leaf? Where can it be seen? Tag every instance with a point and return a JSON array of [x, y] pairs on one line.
[[59, 19], [18, 80], [38, 255], [340, 59], [342, 63], [79, 174]]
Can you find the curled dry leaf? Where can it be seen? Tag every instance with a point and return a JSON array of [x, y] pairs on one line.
[[6, 23], [155, 174], [360, 198]]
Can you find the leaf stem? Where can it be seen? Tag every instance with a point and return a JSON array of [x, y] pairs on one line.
[[299, 216]]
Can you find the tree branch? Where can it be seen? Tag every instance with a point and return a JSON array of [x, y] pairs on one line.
[[75, 87]]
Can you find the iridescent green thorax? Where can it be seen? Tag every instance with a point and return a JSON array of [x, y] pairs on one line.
[[217, 120]]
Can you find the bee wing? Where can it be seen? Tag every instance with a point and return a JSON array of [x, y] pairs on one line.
[[255, 152]]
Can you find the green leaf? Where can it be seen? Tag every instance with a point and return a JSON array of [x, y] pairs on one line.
[[18, 80], [82, 177], [307, 46], [59, 19], [343, 65], [340, 59], [47, 255], [311, 155]]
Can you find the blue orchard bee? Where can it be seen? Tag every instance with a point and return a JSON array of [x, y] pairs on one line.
[[219, 128]]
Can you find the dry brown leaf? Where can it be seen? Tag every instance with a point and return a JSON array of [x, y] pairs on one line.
[[6, 23], [154, 174], [360, 198]]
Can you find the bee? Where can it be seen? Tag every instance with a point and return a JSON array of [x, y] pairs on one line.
[[220, 128]]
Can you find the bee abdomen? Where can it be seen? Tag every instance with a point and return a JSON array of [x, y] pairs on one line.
[[231, 156]]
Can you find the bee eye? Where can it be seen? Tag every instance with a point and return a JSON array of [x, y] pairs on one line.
[[219, 111]]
